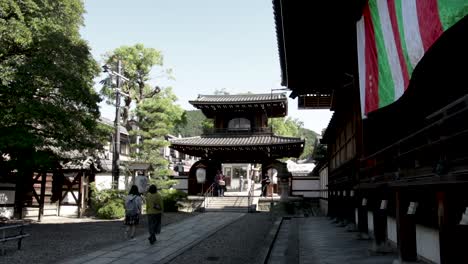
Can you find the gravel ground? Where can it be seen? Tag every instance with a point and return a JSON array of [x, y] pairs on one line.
[[236, 243], [58, 238]]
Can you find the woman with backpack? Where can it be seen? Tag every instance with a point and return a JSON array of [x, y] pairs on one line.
[[133, 204]]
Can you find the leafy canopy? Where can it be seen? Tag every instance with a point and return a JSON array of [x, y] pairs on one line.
[[158, 116], [47, 100], [137, 63]]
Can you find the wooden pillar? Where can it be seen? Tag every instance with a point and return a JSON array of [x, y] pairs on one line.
[[351, 207], [331, 204], [363, 225], [452, 235], [444, 229], [406, 228], [380, 223], [42, 196], [80, 192]]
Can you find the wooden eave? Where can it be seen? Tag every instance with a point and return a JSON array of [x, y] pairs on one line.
[[316, 43]]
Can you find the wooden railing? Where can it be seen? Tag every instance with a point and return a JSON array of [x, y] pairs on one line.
[[435, 134], [240, 131]]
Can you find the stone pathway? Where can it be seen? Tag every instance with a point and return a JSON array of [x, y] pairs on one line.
[[314, 240], [173, 241]]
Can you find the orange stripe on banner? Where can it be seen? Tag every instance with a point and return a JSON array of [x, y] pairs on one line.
[[430, 26]]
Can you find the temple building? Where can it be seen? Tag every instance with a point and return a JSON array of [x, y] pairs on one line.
[[394, 73], [240, 134]]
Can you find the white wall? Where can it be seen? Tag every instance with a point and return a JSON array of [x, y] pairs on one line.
[[7, 197], [427, 243], [307, 194], [104, 181], [69, 210], [324, 206], [182, 184], [324, 182], [305, 186], [302, 184], [392, 229], [370, 221], [356, 216], [69, 197]]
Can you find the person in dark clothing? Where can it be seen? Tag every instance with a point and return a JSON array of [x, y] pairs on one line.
[[220, 183], [265, 182]]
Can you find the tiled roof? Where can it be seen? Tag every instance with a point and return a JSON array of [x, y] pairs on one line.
[[235, 141], [109, 122], [239, 98]]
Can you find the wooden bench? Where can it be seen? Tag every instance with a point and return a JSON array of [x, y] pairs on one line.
[[12, 232]]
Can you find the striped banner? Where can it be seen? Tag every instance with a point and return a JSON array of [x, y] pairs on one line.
[[392, 37]]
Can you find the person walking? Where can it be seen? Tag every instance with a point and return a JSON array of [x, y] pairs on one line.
[[265, 182], [154, 209], [220, 183], [133, 204]]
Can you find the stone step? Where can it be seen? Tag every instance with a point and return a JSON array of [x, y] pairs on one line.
[[227, 209]]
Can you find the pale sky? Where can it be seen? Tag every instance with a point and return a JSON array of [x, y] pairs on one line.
[[209, 44]]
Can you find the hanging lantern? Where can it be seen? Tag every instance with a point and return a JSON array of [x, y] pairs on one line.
[[201, 175]]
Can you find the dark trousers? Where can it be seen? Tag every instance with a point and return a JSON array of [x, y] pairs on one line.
[[220, 190], [154, 224]]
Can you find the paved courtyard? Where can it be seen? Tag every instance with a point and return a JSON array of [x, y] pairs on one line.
[[315, 240], [242, 238]]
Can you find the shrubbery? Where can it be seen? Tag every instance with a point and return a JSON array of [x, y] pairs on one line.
[[112, 210], [170, 198], [109, 203]]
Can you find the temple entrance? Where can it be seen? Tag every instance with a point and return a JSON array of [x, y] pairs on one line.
[[241, 145]]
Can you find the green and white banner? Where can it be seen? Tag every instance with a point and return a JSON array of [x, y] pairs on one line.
[[392, 37]]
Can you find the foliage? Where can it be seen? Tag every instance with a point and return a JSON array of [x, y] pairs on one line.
[[285, 126], [137, 63], [320, 152], [109, 199], [310, 138], [47, 101], [170, 198], [193, 124], [221, 91], [155, 111], [158, 116], [112, 210], [163, 182], [294, 128]]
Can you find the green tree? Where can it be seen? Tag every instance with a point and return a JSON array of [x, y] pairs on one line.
[[285, 126], [192, 124], [138, 62], [158, 115], [47, 101], [291, 127]]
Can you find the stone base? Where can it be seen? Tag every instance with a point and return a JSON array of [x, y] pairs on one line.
[[351, 227], [363, 236], [398, 261], [382, 248]]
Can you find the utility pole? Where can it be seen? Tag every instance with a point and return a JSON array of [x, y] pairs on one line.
[[116, 150], [116, 154]]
